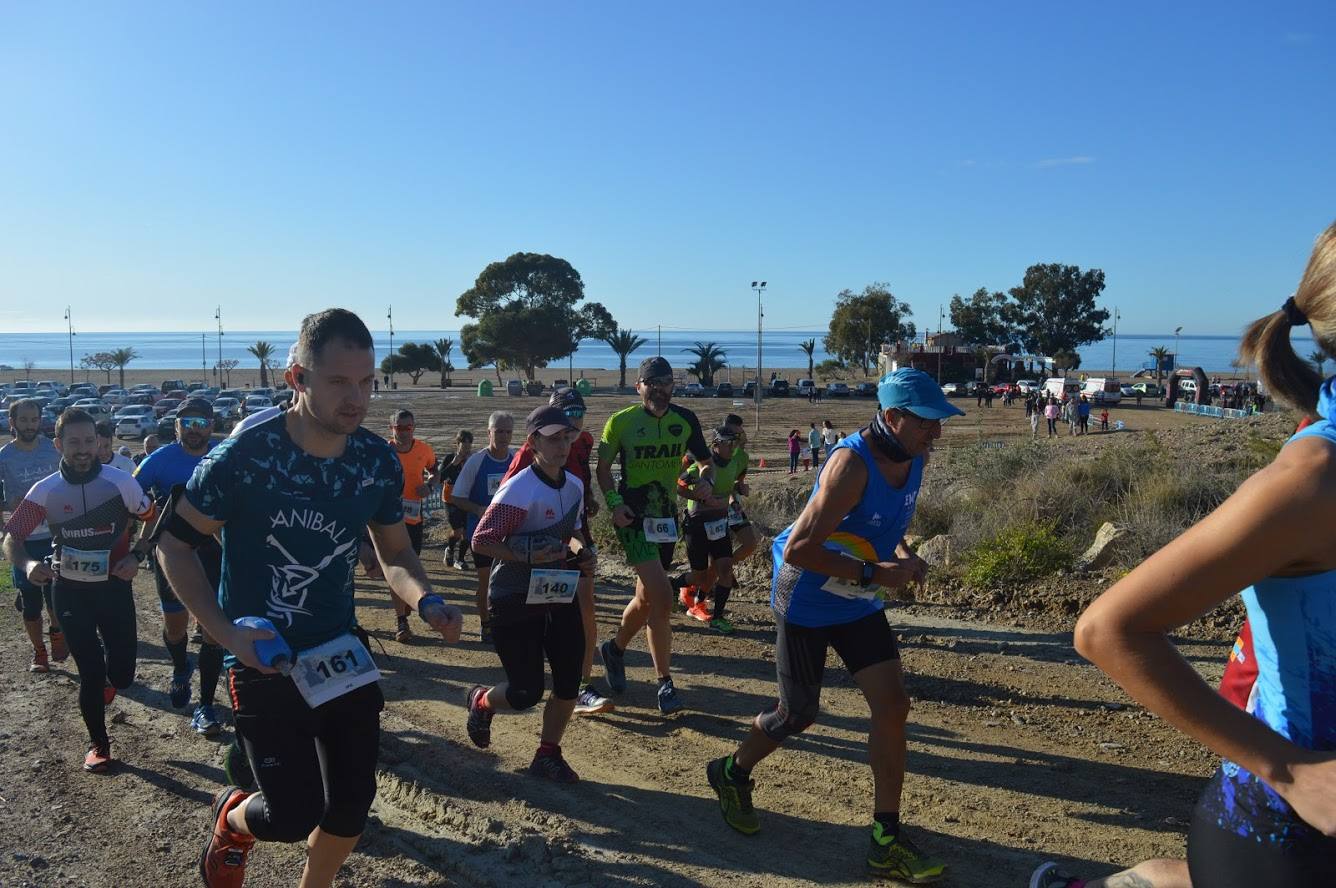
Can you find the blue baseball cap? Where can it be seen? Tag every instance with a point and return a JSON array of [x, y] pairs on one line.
[[914, 392]]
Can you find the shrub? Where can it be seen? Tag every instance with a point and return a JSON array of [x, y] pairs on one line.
[[1019, 553]]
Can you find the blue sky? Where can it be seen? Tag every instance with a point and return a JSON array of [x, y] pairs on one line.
[[161, 159]]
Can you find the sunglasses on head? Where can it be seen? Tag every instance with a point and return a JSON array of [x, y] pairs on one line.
[[193, 422]]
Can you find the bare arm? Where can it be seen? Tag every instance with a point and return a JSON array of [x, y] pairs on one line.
[[1267, 528], [842, 483]]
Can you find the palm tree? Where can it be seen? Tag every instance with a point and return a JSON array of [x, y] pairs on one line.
[[710, 359], [443, 348], [809, 348], [1319, 359], [120, 357], [263, 352], [623, 342], [1161, 355]]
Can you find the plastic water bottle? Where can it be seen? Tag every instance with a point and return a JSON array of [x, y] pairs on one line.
[[272, 652]]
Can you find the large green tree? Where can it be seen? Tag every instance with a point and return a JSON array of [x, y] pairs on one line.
[[528, 313], [983, 318], [1053, 310], [623, 342], [710, 359], [863, 321], [414, 359]]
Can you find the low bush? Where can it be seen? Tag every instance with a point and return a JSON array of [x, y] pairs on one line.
[[1017, 554]]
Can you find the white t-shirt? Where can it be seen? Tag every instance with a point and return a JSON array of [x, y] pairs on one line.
[[122, 462], [831, 437]]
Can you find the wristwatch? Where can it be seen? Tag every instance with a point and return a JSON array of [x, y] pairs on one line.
[[866, 579]]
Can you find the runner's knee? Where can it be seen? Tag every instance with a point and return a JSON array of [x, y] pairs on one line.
[[782, 722], [522, 697], [292, 818]]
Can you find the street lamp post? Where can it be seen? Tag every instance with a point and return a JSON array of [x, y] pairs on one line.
[[759, 287], [1177, 330], [203, 355], [218, 316], [1116, 316], [69, 322], [390, 315]]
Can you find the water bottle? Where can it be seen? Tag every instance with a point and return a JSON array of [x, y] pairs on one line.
[[272, 652]]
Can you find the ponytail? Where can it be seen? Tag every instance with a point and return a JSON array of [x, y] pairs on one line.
[[1266, 342]]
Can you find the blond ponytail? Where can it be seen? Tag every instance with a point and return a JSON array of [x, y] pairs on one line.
[[1266, 342]]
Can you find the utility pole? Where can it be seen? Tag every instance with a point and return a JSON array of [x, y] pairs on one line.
[[70, 323], [661, 340], [218, 316], [759, 287], [390, 315], [1116, 316], [203, 356]]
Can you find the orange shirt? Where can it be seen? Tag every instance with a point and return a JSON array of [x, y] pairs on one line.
[[415, 462]]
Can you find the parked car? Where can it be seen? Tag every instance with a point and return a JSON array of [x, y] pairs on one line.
[[254, 404], [1027, 386], [723, 390], [779, 388], [749, 389], [1148, 389], [139, 400], [167, 428], [171, 385], [52, 384], [284, 397], [264, 393], [131, 410], [47, 423], [178, 394], [137, 425], [694, 390], [805, 388], [866, 390], [837, 390], [94, 408], [115, 396], [228, 409], [953, 389], [238, 394], [165, 406]]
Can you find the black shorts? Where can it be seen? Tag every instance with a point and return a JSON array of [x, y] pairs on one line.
[[701, 550], [800, 651], [315, 767], [457, 517], [415, 536], [30, 597], [481, 561], [210, 556]]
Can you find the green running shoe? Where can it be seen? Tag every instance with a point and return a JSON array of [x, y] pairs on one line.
[[899, 858], [722, 626], [735, 801]]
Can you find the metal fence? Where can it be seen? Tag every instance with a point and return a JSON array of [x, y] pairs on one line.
[[1208, 410]]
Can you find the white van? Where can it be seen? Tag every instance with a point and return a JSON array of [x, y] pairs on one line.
[[1060, 387], [1102, 390]]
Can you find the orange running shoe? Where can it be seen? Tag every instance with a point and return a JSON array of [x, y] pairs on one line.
[[687, 595], [223, 863], [39, 662], [108, 694], [59, 650], [98, 759], [699, 610]]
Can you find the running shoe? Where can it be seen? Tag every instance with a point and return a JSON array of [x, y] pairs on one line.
[[480, 720], [223, 862], [669, 700], [735, 798], [699, 610], [551, 766], [687, 596], [722, 626], [402, 633], [98, 759], [591, 702], [614, 666], [899, 858], [236, 766], [1049, 876], [485, 633], [60, 652], [39, 662], [108, 694], [205, 721], [179, 690]]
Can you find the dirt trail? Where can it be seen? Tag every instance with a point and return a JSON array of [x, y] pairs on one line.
[[1018, 752]]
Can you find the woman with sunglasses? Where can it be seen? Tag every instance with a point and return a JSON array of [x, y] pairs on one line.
[[830, 569], [571, 403]]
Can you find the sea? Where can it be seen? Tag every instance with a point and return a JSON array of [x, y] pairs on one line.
[[186, 351]]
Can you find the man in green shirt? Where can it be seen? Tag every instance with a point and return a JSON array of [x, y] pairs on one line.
[[649, 440]]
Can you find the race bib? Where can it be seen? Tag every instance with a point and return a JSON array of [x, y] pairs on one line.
[[661, 530], [716, 530], [494, 483], [412, 508], [333, 669], [83, 566], [850, 588], [735, 516], [552, 586]]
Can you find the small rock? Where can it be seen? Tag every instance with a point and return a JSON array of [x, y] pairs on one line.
[[38, 863], [1104, 547], [951, 818], [936, 551], [19, 855], [1018, 719], [1111, 746]]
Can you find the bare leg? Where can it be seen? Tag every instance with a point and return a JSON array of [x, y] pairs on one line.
[[1159, 873], [174, 626], [586, 593], [324, 855], [884, 689], [757, 746], [650, 608], [556, 715], [481, 595], [34, 630], [747, 543]]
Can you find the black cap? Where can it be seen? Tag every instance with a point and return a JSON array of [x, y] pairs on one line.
[[547, 421], [566, 397], [651, 368], [725, 434], [196, 407]]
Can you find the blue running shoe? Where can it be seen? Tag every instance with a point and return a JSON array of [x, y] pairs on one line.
[[206, 721], [669, 700], [614, 667], [179, 690]]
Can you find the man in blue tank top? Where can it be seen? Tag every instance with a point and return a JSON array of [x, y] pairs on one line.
[[832, 567]]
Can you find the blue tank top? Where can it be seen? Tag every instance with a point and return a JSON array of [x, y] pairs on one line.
[[869, 533], [1293, 622], [485, 485]]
